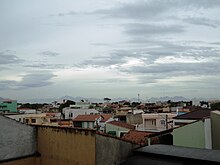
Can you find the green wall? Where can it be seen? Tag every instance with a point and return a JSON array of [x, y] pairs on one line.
[[10, 106], [215, 122], [117, 129], [191, 135]]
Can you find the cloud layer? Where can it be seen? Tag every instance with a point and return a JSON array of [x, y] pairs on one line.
[[110, 47]]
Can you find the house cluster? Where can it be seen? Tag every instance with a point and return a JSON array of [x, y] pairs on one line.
[[133, 121], [112, 124]]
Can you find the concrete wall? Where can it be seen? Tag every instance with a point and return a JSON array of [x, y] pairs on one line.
[[215, 118], [58, 145], [67, 146], [16, 139], [134, 119], [112, 151], [191, 135]]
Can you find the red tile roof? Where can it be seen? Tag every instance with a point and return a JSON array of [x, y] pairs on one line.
[[26, 109], [138, 137], [122, 124], [86, 117], [106, 117]]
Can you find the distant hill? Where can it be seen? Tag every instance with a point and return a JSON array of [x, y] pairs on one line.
[[100, 100], [36, 100], [1, 99], [166, 98]]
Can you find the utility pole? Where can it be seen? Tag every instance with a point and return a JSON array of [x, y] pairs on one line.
[[166, 122], [138, 97]]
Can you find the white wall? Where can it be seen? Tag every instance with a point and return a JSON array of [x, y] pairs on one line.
[[208, 134], [75, 112]]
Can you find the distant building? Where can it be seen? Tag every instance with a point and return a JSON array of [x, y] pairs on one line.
[[8, 106], [27, 110], [39, 119], [157, 121], [118, 128], [106, 118], [87, 121], [73, 111]]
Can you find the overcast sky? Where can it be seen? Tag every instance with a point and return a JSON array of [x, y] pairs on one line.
[[114, 48]]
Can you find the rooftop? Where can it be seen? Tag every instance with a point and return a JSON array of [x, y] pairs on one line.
[[138, 137], [182, 152], [122, 124], [87, 117], [197, 114], [173, 155], [106, 117]]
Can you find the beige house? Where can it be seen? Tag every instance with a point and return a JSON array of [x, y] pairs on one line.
[[39, 119], [157, 121]]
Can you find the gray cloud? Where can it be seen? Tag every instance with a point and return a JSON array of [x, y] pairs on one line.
[[8, 58], [37, 79], [110, 80], [50, 53], [6, 84], [152, 29], [3, 68], [45, 66], [153, 71], [202, 22], [215, 43], [118, 57], [70, 13], [32, 80], [153, 8]]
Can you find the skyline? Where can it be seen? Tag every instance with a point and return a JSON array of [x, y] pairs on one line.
[[117, 48]]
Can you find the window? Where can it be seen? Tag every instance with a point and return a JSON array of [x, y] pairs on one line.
[[162, 122], [26, 120], [153, 122], [87, 124], [33, 120], [71, 115]]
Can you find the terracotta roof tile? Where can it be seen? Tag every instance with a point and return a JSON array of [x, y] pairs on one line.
[[86, 117], [106, 117], [138, 137], [122, 124]]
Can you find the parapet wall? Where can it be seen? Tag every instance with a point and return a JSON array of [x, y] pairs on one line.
[[16, 139], [67, 146], [112, 151]]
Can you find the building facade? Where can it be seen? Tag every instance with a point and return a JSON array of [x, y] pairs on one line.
[[8, 106], [196, 134]]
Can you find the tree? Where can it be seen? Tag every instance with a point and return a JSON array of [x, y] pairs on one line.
[[135, 104], [66, 104], [215, 106], [106, 99], [91, 106]]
